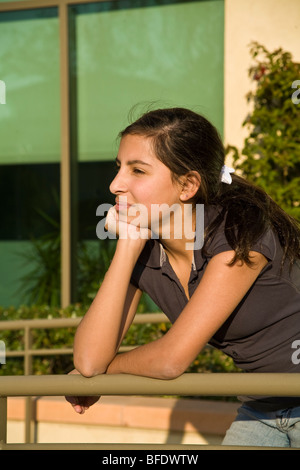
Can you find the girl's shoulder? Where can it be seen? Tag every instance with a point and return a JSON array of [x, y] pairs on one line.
[[266, 243]]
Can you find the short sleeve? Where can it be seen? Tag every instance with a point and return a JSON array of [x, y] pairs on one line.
[[136, 275], [265, 244]]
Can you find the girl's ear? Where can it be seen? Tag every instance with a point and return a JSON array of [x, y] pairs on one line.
[[190, 182]]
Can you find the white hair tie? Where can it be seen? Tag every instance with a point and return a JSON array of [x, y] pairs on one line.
[[225, 174]]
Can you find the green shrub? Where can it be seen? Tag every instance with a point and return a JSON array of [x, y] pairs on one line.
[[210, 360], [42, 339], [270, 157]]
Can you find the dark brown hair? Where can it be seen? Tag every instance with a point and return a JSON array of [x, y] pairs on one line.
[[186, 141]]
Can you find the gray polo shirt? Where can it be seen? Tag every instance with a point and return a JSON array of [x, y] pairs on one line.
[[262, 332]]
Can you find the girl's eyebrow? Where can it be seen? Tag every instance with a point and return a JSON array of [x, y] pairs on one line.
[[133, 162]]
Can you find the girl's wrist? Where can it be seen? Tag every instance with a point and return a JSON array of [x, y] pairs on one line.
[[130, 248]]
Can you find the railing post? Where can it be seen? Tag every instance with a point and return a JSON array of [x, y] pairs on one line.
[[30, 420], [3, 420], [30, 406], [27, 348]]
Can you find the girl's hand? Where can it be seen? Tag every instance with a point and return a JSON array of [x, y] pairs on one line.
[[81, 404], [123, 229]]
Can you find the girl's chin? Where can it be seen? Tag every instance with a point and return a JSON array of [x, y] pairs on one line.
[[137, 220]]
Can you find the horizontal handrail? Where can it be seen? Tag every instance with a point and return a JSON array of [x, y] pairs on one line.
[[217, 384], [188, 384], [52, 323], [205, 384], [162, 448], [29, 351], [40, 352], [36, 323]]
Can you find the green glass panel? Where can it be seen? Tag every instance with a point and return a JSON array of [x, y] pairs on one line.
[[140, 52], [29, 140], [29, 68], [13, 260]]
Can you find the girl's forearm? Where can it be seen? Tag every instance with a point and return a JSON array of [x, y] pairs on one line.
[[99, 333], [147, 360]]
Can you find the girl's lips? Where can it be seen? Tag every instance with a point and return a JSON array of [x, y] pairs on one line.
[[120, 205]]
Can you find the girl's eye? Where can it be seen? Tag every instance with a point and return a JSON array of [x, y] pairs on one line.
[[137, 171]]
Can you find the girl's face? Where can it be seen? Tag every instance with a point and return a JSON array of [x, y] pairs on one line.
[[142, 181]]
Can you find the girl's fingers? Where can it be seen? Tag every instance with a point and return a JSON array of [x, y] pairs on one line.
[[80, 409]]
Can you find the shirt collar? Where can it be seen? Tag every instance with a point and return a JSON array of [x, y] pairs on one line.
[[154, 256], [150, 255]]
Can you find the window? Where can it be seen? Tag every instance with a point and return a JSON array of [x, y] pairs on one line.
[[122, 57], [29, 138]]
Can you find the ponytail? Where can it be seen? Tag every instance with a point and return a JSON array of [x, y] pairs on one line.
[[249, 212]]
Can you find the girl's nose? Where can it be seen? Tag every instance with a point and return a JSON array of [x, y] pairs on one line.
[[118, 184]]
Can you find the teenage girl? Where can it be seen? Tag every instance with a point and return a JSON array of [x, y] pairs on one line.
[[238, 291]]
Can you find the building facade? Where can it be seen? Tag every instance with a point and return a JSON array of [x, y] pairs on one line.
[[73, 73]]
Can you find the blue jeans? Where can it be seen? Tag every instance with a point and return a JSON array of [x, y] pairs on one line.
[[271, 429]]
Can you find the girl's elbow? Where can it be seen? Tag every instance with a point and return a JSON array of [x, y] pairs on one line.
[[87, 368], [172, 370]]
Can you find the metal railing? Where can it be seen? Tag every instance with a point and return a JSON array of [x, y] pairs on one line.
[[28, 385], [218, 384], [27, 326]]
